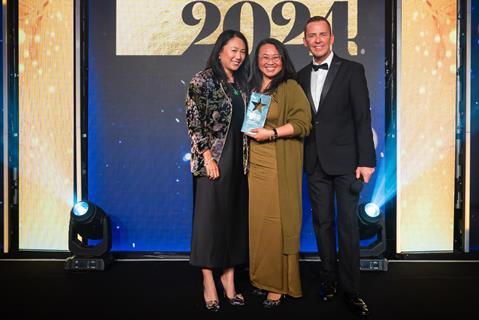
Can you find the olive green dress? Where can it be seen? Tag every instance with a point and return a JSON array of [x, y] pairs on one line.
[[270, 268]]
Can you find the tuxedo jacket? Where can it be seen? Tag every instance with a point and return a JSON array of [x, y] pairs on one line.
[[341, 138]]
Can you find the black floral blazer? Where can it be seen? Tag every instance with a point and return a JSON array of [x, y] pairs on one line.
[[208, 117]]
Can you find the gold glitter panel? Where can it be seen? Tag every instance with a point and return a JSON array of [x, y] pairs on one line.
[[45, 123], [149, 27], [426, 126]]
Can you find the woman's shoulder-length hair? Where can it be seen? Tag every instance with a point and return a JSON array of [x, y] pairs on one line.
[[241, 75], [287, 71]]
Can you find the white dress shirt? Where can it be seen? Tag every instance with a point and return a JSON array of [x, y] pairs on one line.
[[317, 80]]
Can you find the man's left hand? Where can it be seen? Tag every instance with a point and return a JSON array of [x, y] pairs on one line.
[[365, 172]]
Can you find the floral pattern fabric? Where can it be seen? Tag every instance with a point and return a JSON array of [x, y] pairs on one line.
[[208, 117]]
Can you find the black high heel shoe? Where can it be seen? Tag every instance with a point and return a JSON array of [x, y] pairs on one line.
[[271, 304], [237, 300], [212, 305]]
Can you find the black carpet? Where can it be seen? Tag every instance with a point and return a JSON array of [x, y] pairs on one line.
[[153, 289]]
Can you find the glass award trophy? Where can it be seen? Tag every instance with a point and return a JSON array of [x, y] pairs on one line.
[[256, 112]]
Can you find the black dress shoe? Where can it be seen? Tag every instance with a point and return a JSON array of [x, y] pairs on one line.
[[357, 305], [327, 290]]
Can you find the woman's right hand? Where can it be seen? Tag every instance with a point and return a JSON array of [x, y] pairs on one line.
[[212, 169], [260, 134]]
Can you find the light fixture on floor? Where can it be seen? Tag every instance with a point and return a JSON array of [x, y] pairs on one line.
[[372, 233], [89, 238]]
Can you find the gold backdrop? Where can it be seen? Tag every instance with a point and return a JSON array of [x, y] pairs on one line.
[[147, 27], [426, 126], [46, 111]]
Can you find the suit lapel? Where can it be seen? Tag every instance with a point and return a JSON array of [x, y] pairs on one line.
[[307, 85], [333, 71]]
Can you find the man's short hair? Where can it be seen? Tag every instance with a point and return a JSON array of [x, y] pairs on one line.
[[317, 19]]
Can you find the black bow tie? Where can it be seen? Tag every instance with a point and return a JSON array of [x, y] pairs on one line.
[[323, 66]]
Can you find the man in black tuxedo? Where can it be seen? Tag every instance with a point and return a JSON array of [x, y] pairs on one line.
[[338, 152]]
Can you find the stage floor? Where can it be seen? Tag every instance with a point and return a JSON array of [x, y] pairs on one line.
[[409, 289]]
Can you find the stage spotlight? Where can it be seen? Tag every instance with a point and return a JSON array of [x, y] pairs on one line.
[[372, 230], [80, 209], [89, 238], [369, 214]]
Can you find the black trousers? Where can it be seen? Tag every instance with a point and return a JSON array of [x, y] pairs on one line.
[[341, 265]]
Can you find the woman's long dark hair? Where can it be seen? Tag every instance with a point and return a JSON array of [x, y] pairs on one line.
[[287, 72], [240, 75]]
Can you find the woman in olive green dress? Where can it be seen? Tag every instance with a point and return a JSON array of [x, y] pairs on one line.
[[275, 175]]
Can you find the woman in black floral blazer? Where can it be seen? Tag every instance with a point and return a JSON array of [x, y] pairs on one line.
[[215, 106]]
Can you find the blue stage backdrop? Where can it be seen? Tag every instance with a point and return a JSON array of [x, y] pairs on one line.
[[474, 226], [139, 67]]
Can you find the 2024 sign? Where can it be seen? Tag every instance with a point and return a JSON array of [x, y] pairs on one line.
[[287, 18]]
